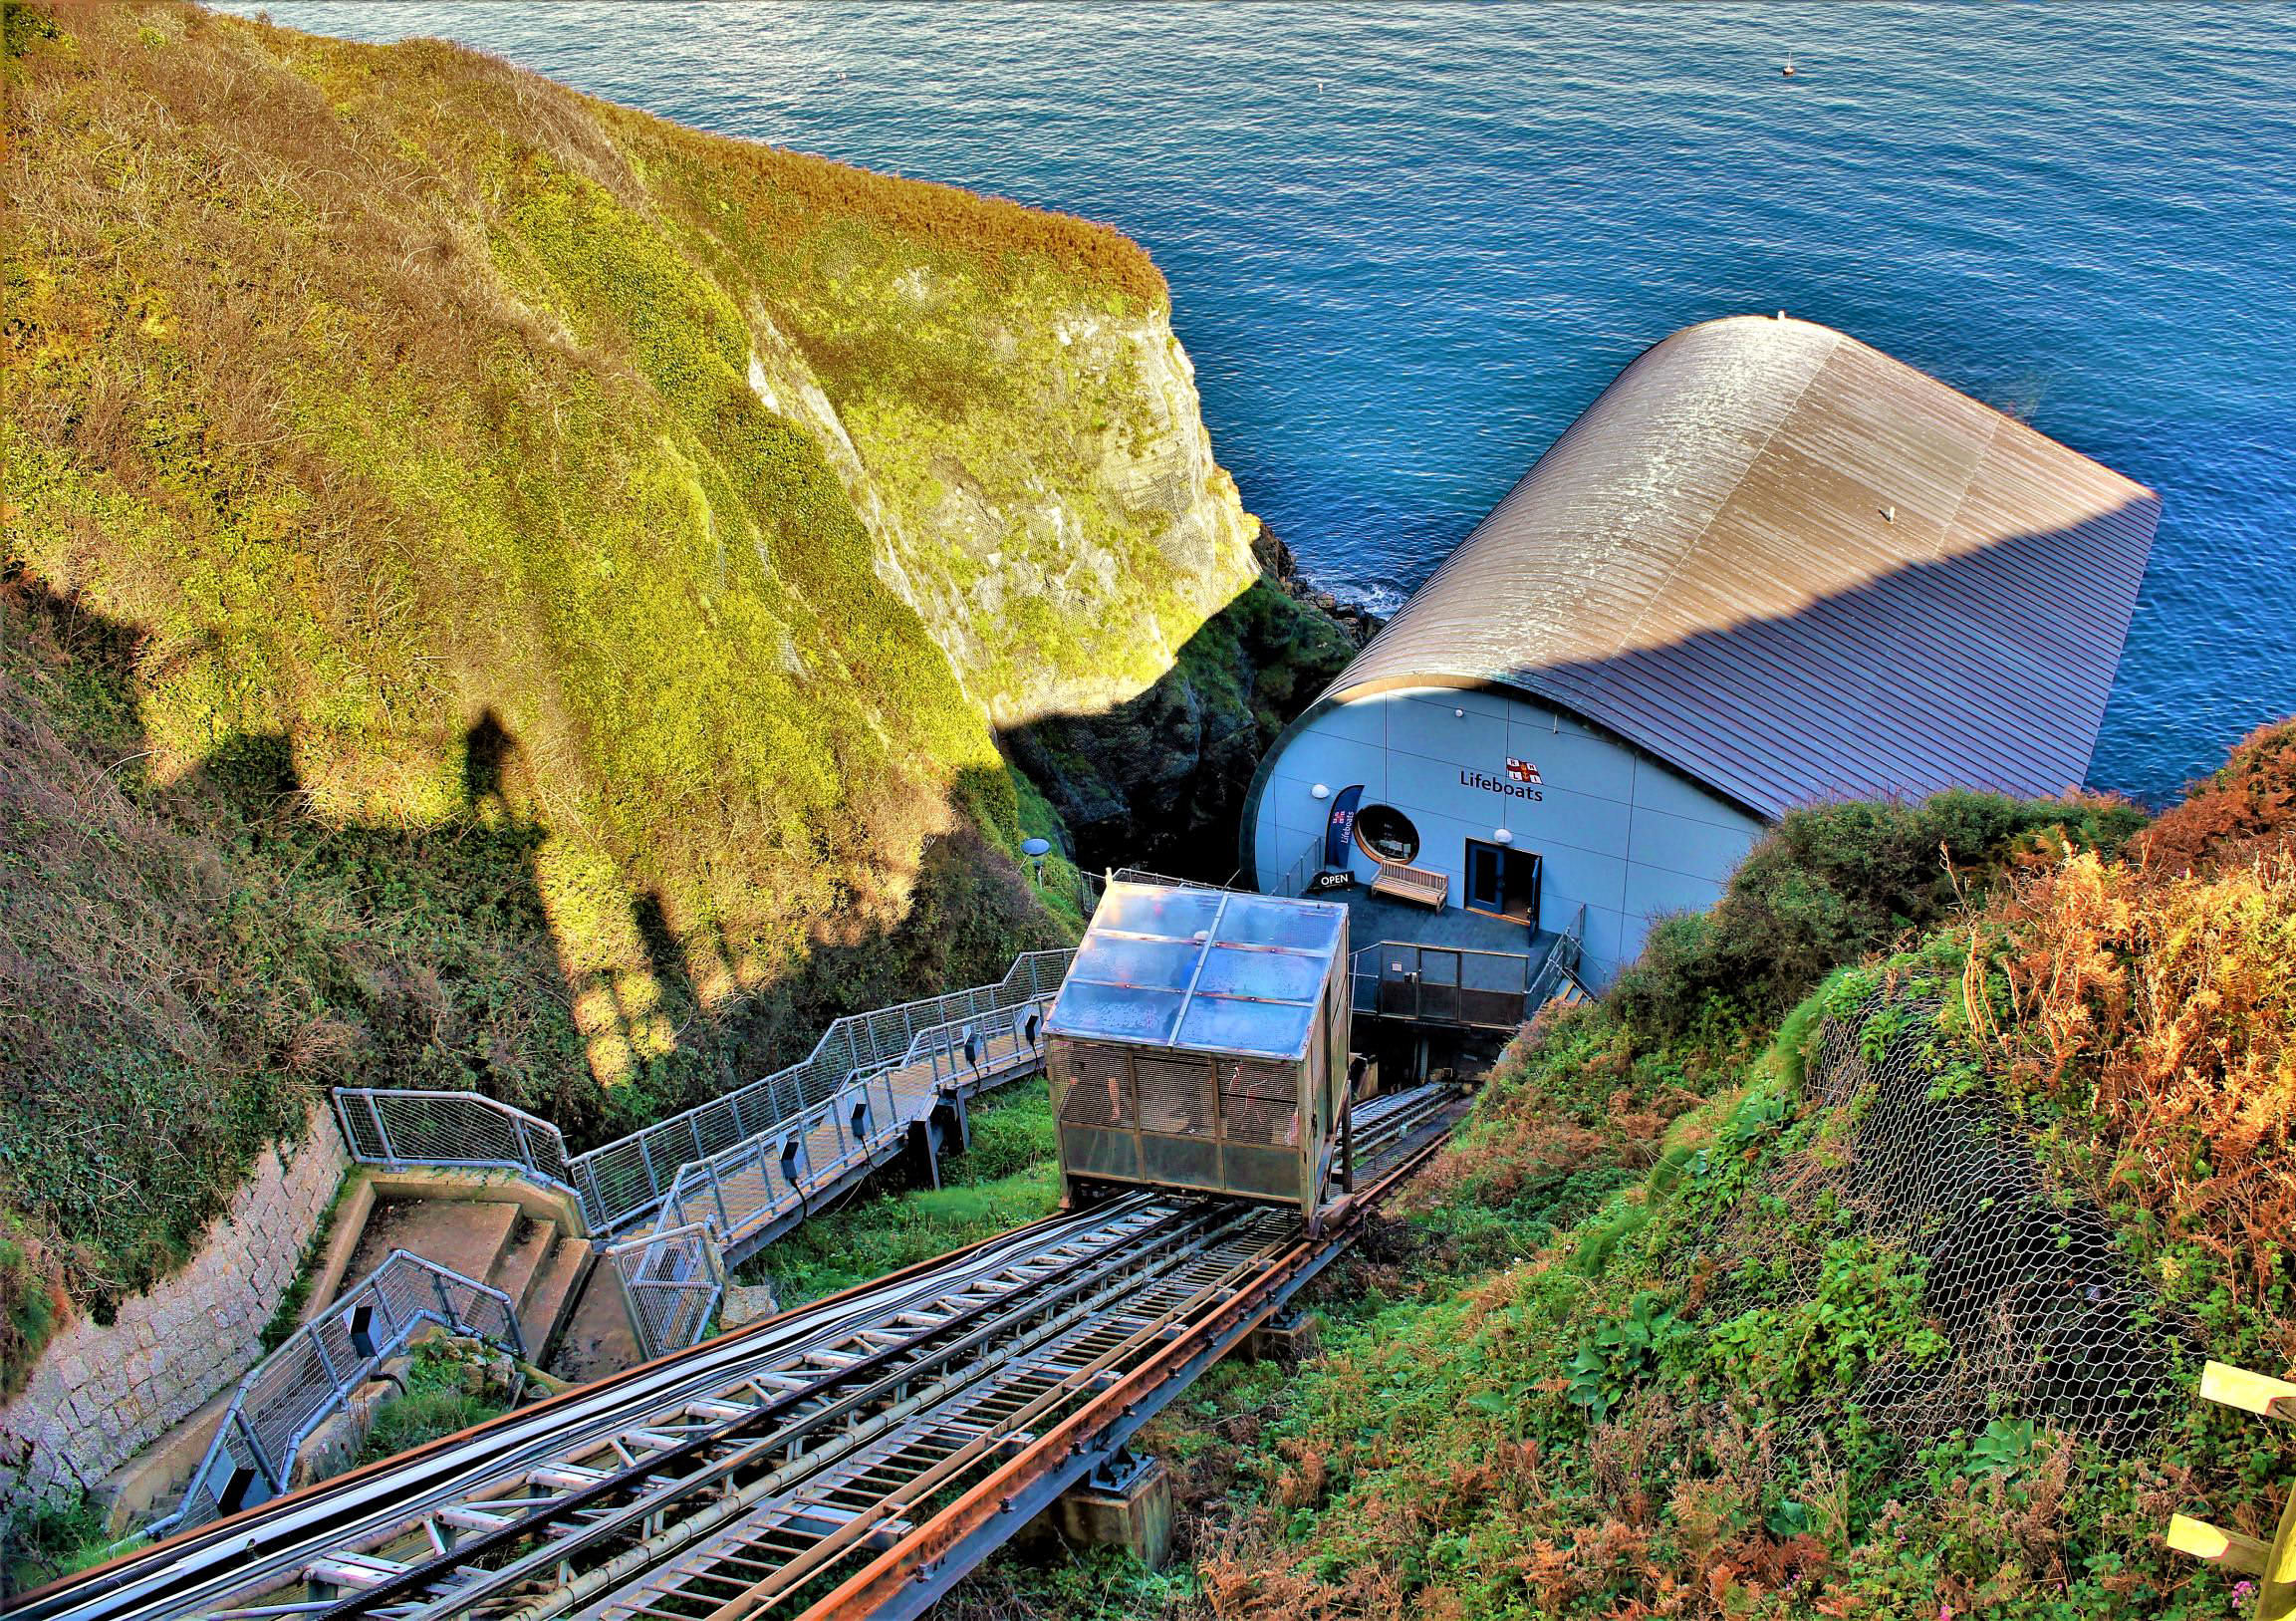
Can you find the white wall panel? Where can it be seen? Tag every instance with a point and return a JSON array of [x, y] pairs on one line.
[[1696, 849], [1616, 831], [1436, 730], [1651, 891], [1661, 788]]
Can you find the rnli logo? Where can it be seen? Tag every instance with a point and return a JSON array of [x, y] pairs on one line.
[[1522, 770]]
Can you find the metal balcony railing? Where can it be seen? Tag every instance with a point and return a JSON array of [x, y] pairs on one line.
[[312, 1374], [750, 1183], [1451, 985], [619, 1183]]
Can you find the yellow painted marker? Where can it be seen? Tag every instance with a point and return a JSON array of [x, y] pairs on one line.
[[2272, 1564]]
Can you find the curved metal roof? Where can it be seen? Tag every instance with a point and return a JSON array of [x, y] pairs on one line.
[[1796, 569]]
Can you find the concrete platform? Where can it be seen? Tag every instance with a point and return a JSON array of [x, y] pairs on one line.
[[597, 1339], [1128, 1504], [471, 1237], [542, 1312], [531, 1244], [1288, 1338]]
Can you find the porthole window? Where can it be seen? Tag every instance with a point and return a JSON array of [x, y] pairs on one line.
[[1387, 834]]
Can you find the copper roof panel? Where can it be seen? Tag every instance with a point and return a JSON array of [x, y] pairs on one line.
[[1797, 569]]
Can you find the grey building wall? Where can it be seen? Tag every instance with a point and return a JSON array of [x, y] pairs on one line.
[[1618, 831]]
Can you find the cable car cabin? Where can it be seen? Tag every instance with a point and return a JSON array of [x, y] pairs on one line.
[[1200, 1043]]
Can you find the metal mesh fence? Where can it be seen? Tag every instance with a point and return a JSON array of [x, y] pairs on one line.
[[2043, 1318], [625, 1178], [738, 1191], [623, 1181], [313, 1373], [447, 1128], [2026, 1311], [670, 1282]]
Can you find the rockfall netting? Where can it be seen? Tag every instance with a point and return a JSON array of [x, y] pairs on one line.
[[2042, 1319]]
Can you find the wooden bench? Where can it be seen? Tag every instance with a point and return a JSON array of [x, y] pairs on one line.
[[1421, 884]]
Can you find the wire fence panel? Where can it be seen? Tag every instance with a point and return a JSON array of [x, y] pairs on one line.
[[315, 1370], [734, 1195], [621, 1181], [447, 1128], [2040, 1315], [671, 1284]]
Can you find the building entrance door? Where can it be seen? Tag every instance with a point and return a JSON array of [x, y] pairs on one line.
[[1503, 880]]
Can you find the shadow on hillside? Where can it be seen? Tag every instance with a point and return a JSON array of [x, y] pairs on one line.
[[1160, 781], [194, 962]]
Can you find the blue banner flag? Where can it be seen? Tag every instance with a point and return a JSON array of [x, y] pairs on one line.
[[1342, 826]]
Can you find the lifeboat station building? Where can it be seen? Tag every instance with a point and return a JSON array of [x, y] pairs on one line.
[[1770, 566]]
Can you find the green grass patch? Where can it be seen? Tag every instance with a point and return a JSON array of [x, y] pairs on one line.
[[1009, 1177], [446, 1391], [54, 1540]]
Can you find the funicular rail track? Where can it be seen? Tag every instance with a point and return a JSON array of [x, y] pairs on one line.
[[850, 1459]]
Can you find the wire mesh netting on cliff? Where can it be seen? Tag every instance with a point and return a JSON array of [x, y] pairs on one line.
[[1913, 1269], [2042, 1319]]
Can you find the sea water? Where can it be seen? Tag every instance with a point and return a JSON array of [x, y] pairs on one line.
[[1408, 247]]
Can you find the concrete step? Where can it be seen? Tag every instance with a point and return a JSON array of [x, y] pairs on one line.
[[542, 1312], [597, 1339], [530, 1245], [469, 1236]]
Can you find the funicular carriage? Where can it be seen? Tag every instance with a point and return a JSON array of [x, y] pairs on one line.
[[1200, 1043]]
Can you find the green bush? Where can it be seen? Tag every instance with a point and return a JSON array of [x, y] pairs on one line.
[[444, 1394], [52, 1539], [1834, 882]]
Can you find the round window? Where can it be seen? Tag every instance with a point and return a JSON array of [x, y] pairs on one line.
[[1387, 834]]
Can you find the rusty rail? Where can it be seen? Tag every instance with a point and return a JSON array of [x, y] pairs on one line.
[[764, 1470], [907, 1577]]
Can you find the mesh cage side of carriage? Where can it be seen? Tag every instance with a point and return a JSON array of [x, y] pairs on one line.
[[1200, 1043]]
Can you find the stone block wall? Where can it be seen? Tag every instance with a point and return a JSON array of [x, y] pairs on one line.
[[102, 1394]]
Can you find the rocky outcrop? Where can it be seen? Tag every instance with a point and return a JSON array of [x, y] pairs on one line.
[[1158, 780], [1134, 634]]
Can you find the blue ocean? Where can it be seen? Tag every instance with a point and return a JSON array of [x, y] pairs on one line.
[[1407, 247]]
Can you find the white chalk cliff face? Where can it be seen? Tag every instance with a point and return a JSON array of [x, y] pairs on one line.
[[1062, 533]]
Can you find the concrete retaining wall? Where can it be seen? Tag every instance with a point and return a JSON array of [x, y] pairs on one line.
[[100, 1395]]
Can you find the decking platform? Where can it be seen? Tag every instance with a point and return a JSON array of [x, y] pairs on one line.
[[1374, 918]]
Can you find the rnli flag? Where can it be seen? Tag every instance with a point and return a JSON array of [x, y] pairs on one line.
[[1522, 770]]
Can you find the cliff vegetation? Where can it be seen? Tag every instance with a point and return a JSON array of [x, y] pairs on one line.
[[506, 592], [1855, 1256]]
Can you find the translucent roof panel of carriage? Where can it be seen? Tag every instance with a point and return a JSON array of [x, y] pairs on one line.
[[1204, 971]]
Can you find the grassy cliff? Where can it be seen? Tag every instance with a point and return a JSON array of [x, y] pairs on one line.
[[1854, 1257], [506, 592]]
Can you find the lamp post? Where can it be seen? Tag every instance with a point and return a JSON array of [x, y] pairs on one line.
[[1036, 850]]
